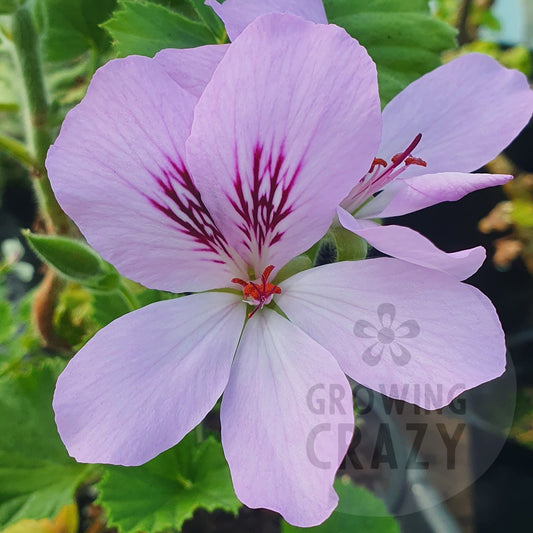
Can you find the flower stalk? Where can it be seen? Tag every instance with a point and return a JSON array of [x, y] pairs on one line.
[[17, 151], [34, 107], [24, 46]]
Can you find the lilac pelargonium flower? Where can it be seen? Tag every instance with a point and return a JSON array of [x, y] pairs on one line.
[[206, 171], [443, 126]]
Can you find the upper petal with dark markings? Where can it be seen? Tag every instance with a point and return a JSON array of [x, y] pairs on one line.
[[288, 119], [117, 169]]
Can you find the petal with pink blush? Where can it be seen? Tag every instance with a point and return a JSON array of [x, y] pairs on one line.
[[467, 111], [404, 196], [289, 117], [237, 14], [192, 68], [148, 378], [117, 169], [287, 421], [457, 343], [407, 244]]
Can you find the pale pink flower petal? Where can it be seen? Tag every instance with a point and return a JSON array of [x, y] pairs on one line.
[[143, 382], [289, 117], [408, 245], [237, 14], [117, 168], [458, 345], [192, 68], [467, 111], [412, 194], [287, 421]]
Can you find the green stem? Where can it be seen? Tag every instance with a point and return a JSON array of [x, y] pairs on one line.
[[35, 111], [35, 106], [17, 151], [462, 22]]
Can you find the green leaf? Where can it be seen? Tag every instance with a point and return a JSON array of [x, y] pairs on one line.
[[166, 491], [181, 6], [71, 27], [401, 36], [8, 6], [74, 260], [358, 510], [37, 477], [108, 306], [141, 28], [210, 19]]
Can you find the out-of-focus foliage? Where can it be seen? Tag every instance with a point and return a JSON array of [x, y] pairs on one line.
[[73, 316], [401, 36], [10, 260], [18, 339], [479, 15], [517, 57], [522, 429], [65, 522], [513, 217]]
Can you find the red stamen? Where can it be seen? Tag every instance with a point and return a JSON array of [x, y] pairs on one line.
[[260, 294], [377, 178], [377, 162]]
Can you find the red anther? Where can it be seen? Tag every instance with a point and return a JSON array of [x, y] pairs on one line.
[[260, 294], [377, 162], [397, 158], [415, 161]]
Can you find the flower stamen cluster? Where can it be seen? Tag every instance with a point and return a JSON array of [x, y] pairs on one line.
[[378, 179], [258, 294]]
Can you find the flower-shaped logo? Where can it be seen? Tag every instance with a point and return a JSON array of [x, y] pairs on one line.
[[387, 336]]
